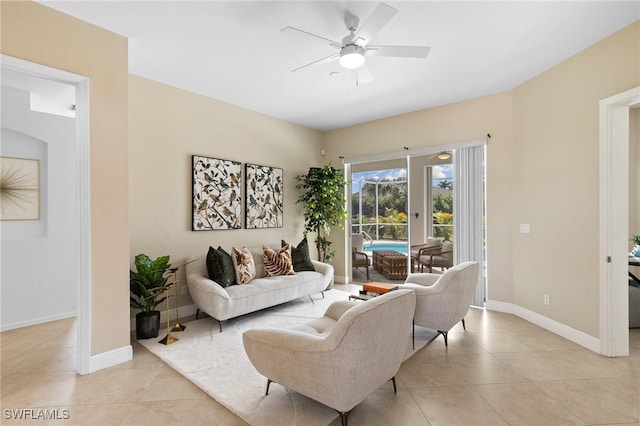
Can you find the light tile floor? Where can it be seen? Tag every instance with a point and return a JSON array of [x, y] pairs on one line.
[[501, 371]]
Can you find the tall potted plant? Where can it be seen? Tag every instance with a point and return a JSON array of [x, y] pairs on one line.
[[324, 201], [147, 285]]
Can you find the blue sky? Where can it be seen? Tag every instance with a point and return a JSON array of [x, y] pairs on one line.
[[444, 171]]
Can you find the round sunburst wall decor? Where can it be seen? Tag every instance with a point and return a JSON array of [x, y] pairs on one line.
[[19, 189]]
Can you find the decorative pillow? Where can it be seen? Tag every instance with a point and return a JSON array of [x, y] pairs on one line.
[[244, 265], [277, 263], [300, 256], [220, 267]]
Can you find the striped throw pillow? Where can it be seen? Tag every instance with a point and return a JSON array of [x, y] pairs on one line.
[[277, 263]]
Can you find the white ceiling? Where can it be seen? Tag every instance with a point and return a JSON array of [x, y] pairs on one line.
[[235, 52]]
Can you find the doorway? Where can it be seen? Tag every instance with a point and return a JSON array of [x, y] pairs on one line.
[[468, 159], [64, 172], [614, 221]]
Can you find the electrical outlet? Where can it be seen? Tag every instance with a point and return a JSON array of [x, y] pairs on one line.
[[183, 290], [546, 300]]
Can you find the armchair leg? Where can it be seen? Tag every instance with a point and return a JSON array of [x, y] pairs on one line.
[[197, 312], [413, 335], [220, 323], [344, 417], [269, 381], [464, 327], [393, 379], [444, 334]]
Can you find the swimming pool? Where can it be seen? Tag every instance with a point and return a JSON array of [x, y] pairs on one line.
[[402, 248]]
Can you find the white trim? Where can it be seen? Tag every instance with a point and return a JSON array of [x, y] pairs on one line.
[[182, 311], [83, 323], [341, 279], [40, 71], [110, 358], [494, 305], [614, 222], [408, 168], [408, 153], [576, 336], [84, 222], [36, 321]]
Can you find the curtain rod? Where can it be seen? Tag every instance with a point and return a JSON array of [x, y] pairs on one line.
[[418, 151]]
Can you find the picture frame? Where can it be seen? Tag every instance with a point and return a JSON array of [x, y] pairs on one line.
[[264, 197], [19, 189], [217, 194]]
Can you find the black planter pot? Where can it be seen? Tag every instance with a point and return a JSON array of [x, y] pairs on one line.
[[147, 326]]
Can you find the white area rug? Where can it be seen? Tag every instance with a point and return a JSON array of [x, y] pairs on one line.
[[216, 363]]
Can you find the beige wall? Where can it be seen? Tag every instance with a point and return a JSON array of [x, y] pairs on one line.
[[39, 34], [166, 127], [450, 124], [556, 182], [542, 169]]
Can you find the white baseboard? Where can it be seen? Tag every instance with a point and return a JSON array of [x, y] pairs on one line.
[[341, 279], [183, 311], [494, 305], [576, 336], [36, 321], [110, 358]]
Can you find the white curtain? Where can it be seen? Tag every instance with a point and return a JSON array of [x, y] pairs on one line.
[[468, 210]]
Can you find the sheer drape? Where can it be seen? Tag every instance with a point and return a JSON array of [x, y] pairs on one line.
[[468, 210]]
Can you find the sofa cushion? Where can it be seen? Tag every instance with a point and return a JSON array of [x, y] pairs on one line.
[[220, 267], [277, 263], [244, 265], [300, 256]]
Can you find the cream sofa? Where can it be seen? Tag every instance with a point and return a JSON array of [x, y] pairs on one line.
[[262, 292]]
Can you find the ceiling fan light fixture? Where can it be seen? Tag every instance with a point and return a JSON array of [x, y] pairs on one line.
[[351, 56], [444, 155]]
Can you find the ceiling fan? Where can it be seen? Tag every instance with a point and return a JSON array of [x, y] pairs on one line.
[[355, 46]]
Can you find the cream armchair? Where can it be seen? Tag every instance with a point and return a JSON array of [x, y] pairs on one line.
[[443, 300], [324, 358]]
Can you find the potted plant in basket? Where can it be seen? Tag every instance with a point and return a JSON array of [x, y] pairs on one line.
[[147, 285]]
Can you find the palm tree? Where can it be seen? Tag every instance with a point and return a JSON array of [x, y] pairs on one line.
[[445, 184]]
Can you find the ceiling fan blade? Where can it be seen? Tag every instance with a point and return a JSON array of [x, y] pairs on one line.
[[398, 51], [376, 21], [363, 75], [322, 61], [307, 34]]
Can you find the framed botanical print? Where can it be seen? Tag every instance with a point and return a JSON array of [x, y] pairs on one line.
[[264, 192], [217, 194], [19, 189]]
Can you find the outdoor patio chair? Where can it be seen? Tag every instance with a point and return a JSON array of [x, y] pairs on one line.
[[437, 257], [358, 257], [419, 249]]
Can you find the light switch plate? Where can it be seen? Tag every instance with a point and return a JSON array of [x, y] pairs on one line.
[[525, 228]]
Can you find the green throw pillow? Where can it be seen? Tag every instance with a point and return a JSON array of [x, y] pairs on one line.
[[220, 267], [300, 256]]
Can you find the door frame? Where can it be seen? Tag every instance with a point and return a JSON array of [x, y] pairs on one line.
[[83, 274], [614, 221]]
